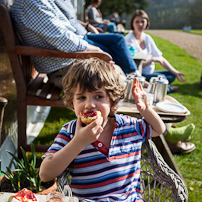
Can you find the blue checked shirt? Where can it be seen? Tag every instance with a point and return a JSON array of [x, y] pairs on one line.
[[49, 24]]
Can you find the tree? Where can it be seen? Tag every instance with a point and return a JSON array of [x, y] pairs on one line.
[[194, 17], [165, 14], [121, 6]]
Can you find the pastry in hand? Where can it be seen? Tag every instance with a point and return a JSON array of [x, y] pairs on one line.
[[23, 195], [88, 117]]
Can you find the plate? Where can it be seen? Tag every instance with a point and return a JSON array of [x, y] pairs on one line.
[[171, 107]]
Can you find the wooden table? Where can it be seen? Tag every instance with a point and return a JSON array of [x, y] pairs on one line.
[[129, 108]]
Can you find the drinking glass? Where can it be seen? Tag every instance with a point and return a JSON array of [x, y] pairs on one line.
[[55, 196]]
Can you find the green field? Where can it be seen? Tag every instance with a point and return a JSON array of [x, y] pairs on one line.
[[189, 94], [196, 31]]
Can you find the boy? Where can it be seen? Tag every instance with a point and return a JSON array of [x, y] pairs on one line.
[[104, 156]]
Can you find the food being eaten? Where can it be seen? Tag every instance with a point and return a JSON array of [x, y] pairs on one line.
[[89, 117], [23, 195]]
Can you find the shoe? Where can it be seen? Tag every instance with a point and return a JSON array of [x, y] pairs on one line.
[[181, 147], [174, 88]]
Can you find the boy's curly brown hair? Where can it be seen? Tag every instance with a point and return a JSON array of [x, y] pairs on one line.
[[92, 74]]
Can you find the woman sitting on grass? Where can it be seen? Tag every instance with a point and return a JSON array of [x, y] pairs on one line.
[[143, 43]]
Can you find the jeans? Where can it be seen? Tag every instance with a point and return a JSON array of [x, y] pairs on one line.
[[111, 26], [116, 46], [166, 75]]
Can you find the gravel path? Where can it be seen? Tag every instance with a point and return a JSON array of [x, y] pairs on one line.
[[191, 43]]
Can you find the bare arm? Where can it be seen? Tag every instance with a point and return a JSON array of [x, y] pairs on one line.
[[141, 100], [89, 27], [53, 165], [164, 63]]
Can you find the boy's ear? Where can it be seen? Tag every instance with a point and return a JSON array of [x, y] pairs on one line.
[[115, 105]]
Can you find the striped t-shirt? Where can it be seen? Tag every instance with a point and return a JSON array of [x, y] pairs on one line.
[[112, 177]]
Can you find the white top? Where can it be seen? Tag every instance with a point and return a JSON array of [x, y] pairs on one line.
[[151, 49], [93, 14]]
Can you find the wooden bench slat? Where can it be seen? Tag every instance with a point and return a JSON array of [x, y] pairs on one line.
[[45, 91], [55, 92], [35, 85]]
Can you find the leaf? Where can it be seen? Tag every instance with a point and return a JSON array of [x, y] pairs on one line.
[[33, 155], [26, 162]]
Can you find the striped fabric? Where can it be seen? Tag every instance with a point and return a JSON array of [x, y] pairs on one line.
[[115, 177], [43, 24]]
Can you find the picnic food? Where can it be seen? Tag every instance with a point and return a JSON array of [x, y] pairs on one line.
[[23, 195], [88, 117]]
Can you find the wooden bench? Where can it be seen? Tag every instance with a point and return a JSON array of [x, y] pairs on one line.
[[32, 88]]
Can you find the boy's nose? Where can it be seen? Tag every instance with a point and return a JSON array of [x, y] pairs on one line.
[[89, 104]]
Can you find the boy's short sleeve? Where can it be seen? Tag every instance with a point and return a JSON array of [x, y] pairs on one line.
[[144, 129], [64, 137]]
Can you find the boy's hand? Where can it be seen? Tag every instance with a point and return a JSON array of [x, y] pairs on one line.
[[140, 96], [90, 133]]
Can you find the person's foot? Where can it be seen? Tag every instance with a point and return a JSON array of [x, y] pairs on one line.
[[174, 88], [180, 134], [181, 147]]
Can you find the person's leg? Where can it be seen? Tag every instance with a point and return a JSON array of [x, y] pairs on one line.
[[115, 45], [175, 137], [179, 134], [100, 26], [169, 76], [111, 27]]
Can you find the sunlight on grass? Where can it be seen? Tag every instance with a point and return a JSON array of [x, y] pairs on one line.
[[189, 94], [196, 31]]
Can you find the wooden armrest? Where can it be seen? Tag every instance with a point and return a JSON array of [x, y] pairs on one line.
[[42, 52]]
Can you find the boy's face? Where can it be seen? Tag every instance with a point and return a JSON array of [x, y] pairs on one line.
[[91, 101]]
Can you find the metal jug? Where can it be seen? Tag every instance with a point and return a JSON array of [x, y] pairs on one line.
[[158, 86], [129, 85]]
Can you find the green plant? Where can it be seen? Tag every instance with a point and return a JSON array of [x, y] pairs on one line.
[[24, 169]]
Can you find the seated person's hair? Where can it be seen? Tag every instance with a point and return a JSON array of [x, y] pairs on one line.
[[96, 1], [142, 14], [90, 75]]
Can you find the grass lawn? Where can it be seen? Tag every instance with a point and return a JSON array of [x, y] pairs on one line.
[[189, 94], [193, 31], [196, 31]]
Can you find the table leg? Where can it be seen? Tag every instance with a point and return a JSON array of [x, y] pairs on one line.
[[164, 150], [139, 65]]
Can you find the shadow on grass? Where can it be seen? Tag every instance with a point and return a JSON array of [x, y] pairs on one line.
[[191, 89], [60, 113]]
